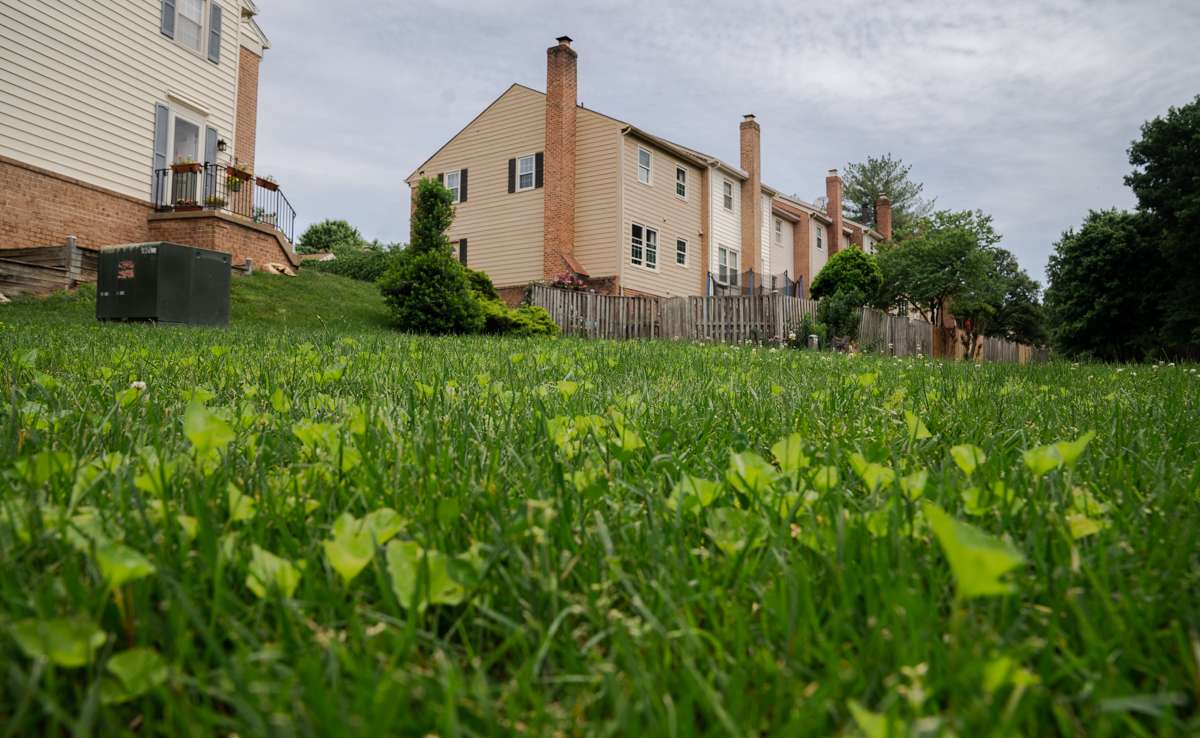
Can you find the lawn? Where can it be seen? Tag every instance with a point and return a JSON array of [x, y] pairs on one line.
[[311, 525]]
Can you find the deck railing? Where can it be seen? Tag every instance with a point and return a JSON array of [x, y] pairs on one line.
[[216, 187]]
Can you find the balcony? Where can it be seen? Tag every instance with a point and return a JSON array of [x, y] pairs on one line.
[[731, 283], [218, 188]]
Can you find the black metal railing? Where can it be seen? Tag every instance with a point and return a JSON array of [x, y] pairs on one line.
[[749, 283], [187, 187]]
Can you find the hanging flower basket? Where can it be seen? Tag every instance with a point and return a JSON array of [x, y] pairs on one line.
[[267, 184]]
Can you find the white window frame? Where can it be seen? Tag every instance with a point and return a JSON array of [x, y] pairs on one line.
[[532, 158], [723, 270], [648, 168], [205, 11], [201, 124], [778, 231], [644, 243], [820, 241], [727, 193], [457, 188], [681, 182], [684, 252]]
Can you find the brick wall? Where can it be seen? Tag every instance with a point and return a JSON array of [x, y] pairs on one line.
[[222, 232], [40, 208], [802, 249], [246, 131], [833, 208], [559, 201]]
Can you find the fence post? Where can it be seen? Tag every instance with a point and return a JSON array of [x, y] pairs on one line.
[[73, 261]]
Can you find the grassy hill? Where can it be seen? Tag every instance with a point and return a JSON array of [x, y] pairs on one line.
[[312, 299]]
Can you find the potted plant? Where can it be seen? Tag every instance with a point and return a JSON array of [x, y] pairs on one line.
[[262, 216], [184, 205], [215, 201], [267, 183], [187, 165], [240, 171]]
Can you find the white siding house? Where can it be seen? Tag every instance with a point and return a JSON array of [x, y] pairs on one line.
[[725, 243]]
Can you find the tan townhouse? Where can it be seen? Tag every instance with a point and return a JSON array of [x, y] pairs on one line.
[[135, 120], [545, 187]]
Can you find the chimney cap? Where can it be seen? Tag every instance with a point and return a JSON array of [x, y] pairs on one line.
[[564, 40], [833, 172], [748, 116]]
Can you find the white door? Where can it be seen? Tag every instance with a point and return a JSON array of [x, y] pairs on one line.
[[185, 146]]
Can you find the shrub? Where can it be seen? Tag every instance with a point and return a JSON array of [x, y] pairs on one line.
[[840, 312], [527, 320], [365, 266], [481, 285], [852, 269], [427, 292]]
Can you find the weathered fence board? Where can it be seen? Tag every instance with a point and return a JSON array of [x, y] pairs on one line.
[[740, 318]]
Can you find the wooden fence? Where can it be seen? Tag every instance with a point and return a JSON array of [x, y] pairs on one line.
[[737, 319], [43, 269]]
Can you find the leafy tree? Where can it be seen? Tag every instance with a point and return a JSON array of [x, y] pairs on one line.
[[1103, 299], [334, 236], [1020, 315], [427, 290], [851, 270], [884, 175], [841, 313], [948, 256], [1166, 181]]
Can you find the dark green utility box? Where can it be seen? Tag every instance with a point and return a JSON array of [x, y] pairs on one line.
[[163, 282]]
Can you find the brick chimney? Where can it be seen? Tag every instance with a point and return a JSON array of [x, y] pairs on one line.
[[751, 162], [833, 208], [558, 244], [883, 217]]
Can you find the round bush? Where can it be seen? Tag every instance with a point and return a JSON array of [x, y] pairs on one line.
[[428, 292], [852, 269]]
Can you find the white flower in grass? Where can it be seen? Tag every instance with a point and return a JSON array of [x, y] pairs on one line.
[[138, 385]]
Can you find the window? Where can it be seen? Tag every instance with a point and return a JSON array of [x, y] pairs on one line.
[[452, 182], [681, 181], [186, 141], [643, 247], [526, 166], [189, 23], [727, 186], [778, 232], [681, 252], [820, 237], [727, 262], [643, 166]]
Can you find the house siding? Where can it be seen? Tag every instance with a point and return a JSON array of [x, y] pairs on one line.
[[765, 236], [782, 258], [504, 229], [726, 225], [597, 197], [657, 206], [81, 80], [818, 256]]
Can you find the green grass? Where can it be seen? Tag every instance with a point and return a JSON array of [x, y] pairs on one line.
[[568, 590]]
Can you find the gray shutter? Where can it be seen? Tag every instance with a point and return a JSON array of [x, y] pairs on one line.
[[462, 251], [167, 23], [538, 170], [210, 157], [158, 178], [214, 33], [462, 187], [512, 175]]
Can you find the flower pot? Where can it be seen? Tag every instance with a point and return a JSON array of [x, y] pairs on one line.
[[266, 184], [187, 208], [217, 203], [241, 174], [192, 168]]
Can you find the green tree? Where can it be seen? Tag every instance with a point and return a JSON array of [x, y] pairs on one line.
[[851, 270], [1166, 181], [1020, 315], [426, 289], [864, 182], [1103, 300], [333, 236], [946, 256]]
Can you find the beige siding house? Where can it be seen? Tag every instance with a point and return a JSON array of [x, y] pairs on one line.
[[98, 100], [546, 188]]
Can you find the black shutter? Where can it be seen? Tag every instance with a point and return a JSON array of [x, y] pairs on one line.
[[462, 188], [537, 168], [167, 23], [441, 180], [462, 251], [214, 34], [512, 175], [158, 177]]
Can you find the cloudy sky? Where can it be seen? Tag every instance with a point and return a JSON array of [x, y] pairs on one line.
[[1023, 108]]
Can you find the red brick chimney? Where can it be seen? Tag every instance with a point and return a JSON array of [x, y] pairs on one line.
[[558, 244], [883, 217], [833, 208], [751, 151]]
